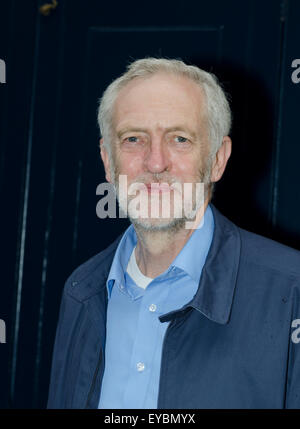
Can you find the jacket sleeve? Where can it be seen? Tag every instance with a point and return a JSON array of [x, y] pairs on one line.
[[60, 380]]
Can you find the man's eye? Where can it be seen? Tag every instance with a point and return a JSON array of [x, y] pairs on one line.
[[180, 139], [132, 139]]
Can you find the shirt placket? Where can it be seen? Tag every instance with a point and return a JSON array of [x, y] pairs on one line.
[[149, 330]]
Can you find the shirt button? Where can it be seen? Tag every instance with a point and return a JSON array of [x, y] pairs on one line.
[[140, 366], [152, 307]]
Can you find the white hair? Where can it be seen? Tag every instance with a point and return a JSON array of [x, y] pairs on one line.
[[218, 109]]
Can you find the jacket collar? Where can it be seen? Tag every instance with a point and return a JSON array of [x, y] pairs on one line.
[[217, 283], [90, 278], [215, 293]]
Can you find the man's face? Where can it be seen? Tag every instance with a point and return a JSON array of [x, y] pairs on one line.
[[160, 135]]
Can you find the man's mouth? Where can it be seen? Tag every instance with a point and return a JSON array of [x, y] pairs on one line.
[[158, 187]]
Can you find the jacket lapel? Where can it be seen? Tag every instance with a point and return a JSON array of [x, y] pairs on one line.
[[219, 275]]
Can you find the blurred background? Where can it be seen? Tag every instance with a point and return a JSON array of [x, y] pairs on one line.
[[59, 57]]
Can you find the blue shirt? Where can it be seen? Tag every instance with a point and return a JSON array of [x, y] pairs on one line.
[[134, 333]]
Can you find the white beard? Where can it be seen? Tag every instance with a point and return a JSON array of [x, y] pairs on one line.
[[155, 212]]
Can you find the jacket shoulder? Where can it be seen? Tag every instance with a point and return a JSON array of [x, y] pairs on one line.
[[271, 254], [91, 272]]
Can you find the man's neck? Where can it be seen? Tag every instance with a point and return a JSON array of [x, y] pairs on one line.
[[155, 250]]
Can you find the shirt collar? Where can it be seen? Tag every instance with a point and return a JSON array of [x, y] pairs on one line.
[[215, 293], [192, 256]]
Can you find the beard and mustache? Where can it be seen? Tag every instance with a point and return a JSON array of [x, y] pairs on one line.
[[191, 196]]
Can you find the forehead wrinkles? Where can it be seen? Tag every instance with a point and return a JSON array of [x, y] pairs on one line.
[[171, 96]]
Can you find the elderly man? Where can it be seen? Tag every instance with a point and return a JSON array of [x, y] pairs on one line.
[[171, 316]]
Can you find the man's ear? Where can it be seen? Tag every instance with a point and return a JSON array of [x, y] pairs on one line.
[[221, 159], [105, 159]]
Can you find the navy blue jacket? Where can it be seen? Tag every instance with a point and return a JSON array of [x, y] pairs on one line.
[[235, 345]]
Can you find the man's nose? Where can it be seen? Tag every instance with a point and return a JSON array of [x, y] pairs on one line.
[[157, 159]]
